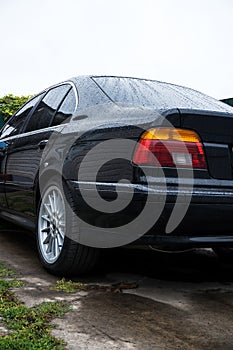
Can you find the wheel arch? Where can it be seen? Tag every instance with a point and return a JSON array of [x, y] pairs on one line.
[[41, 181]]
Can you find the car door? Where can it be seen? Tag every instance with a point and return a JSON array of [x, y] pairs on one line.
[[3, 149], [24, 154], [8, 136]]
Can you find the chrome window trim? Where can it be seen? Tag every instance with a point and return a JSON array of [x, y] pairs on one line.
[[71, 83], [50, 127], [30, 133]]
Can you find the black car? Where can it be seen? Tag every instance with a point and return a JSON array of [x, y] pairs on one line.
[[101, 162]]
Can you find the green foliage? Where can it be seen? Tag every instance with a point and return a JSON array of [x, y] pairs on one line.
[[28, 328], [9, 104], [67, 286], [6, 271]]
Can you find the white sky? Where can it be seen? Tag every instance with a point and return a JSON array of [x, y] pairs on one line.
[[187, 42]]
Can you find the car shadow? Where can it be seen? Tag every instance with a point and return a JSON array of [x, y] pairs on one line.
[[201, 265]]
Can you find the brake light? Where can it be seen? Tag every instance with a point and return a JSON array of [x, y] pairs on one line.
[[170, 147]]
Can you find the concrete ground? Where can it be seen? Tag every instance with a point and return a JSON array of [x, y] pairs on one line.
[[182, 301]]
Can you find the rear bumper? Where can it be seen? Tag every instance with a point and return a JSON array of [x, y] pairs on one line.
[[207, 219]]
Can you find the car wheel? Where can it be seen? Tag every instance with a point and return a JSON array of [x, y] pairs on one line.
[[60, 254], [225, 254]]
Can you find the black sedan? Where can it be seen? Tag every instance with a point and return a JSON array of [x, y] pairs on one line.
[[101, 162]]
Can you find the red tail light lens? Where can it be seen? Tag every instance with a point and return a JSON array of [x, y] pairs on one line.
[[169, 147]]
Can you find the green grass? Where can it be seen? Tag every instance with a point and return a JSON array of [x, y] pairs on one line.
[[6, 272], [67, 286], [28, 328]]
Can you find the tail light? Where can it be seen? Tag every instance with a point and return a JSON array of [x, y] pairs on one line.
[[170, 147]]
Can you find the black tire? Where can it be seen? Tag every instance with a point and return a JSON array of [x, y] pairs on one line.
[[72, 258], [224, 253]]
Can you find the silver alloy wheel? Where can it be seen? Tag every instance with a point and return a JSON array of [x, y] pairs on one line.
[[51, 224]]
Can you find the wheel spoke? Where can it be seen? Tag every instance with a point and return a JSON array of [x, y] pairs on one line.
[[48, 210], [55, 202], [49, 248], [60, 232], [53, 247], [52, 224], [47, 239], [46, 229], [46, 218], [60, 240], [51, 202], [61, 214], [60, 208], [57, 250]]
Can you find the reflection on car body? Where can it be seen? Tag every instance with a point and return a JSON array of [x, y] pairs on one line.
[[98, 162]]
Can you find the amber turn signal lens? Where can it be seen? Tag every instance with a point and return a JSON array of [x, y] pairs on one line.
[[171, 134]]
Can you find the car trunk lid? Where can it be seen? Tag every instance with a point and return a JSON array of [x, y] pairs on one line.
[[216, 132]]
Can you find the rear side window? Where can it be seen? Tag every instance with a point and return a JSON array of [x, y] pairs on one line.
[[66, 109], [15, 124], [45, 111]]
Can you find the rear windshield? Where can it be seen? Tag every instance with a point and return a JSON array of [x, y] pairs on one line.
[[157, 94]]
